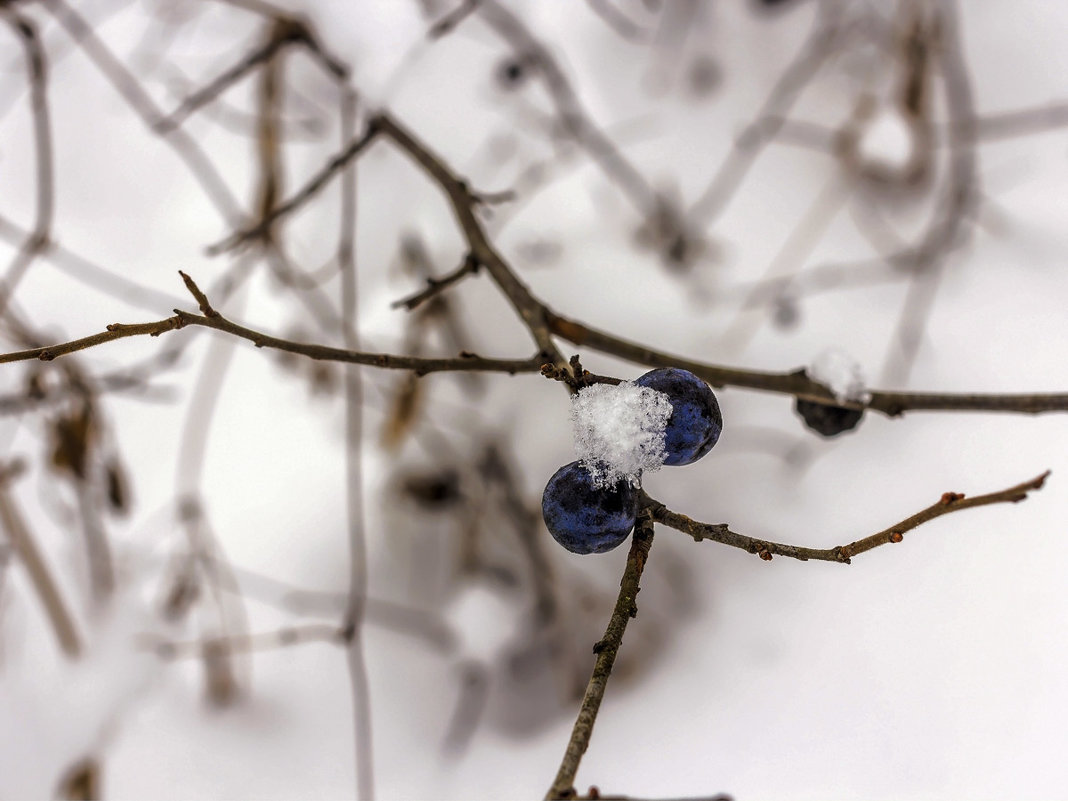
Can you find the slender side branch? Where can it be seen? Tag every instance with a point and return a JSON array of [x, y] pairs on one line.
[[465, 362], [721, 532], [434, 286], [606, 649], [316, 184], [113, 332]]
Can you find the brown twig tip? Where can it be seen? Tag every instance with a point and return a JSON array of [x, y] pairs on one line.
[[200, 297]]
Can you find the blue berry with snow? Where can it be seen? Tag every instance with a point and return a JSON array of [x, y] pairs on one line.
[[695, 423], [586, 516]]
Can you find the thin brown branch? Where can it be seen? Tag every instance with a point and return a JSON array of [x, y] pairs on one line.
[[420, 366], [721, 532], [113, 332], [606, 649]]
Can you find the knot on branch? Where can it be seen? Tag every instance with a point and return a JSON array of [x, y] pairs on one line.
[[575, 376]]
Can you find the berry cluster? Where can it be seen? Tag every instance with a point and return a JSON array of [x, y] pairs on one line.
[[586, 516]]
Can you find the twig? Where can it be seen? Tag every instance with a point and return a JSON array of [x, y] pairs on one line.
[[317, 182], [606, 649], [113, 332], [436, 285], [721, 532], [420, 366]]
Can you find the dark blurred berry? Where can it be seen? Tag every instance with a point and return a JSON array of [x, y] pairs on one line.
[[828, 420]]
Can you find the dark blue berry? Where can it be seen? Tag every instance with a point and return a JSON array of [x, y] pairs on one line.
[[583, 517], [695, 423]]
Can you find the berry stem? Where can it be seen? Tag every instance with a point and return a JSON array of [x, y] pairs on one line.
[[606, 649]]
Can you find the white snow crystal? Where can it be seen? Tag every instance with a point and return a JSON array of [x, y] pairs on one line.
[[619, 430], [841, 374]]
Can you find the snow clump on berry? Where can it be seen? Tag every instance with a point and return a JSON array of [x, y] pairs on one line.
[[619, 431], [841, 374]]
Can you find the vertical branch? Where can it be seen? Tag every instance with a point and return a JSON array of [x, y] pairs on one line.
[[606, 649], [357, 600]]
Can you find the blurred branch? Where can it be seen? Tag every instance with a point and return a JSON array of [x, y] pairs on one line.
[[817, 48], [721, 532], [571, 115], [36, 241], [22, 541], [606, 649], [284, 32], [356, 604], [261, 641], [127, 85], [312, 188]]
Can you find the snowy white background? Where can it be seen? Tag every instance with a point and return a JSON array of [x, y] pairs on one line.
[[936, 669]]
